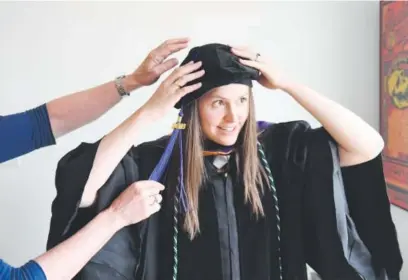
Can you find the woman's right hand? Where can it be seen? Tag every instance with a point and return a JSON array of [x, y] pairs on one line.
[[173, 88], [137, 202]]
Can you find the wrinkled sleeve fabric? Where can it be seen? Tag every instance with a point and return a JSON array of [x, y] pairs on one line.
[[323, 245], [367, 198], [29, 271], [302, 160], [120, 256], [71, 176], [369, 207], [305, 191], [25, 132]]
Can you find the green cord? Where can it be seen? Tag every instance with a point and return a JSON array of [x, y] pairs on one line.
[[175, 238], [275, 199]]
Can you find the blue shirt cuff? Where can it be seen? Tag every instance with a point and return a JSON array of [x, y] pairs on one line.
[[30, 271], [43, 135]]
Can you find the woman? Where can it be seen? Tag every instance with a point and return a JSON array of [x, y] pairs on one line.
[[243, 200]]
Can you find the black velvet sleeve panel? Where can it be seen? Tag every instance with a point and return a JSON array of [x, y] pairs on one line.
[[323, 247], [287, 148]]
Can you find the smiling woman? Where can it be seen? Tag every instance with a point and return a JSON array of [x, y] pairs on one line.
[[224, 111], [244, 199]]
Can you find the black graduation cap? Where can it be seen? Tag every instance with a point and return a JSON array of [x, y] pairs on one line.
[[222, 67]]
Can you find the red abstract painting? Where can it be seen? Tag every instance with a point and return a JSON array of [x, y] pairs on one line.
[[394, 98]]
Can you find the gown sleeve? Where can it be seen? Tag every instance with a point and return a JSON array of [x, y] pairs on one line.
[[302, 161], [71, 176], [369, 212], [322, 242], [369, 206], [67, 218]]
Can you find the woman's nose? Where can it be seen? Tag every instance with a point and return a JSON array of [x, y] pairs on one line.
[[232, 115]]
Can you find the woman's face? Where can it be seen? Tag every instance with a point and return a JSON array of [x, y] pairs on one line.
[[223, 112]]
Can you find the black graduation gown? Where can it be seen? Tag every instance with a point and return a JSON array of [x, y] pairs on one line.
[[232, 244]]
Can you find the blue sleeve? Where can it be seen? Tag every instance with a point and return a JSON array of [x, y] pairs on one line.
[[30, 271], [24, 132]]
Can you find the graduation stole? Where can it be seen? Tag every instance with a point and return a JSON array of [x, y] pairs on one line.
[[213, 149]]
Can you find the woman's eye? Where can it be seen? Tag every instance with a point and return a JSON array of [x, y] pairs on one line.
[[218, 103], [243, 99]]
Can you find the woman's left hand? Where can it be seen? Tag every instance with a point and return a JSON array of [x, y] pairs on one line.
[[270, 77]]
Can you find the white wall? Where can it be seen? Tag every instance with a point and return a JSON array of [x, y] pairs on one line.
[[52, 49]]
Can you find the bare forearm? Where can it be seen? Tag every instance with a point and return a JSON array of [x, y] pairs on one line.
[[111, 150], [116, 144], [358, 140], [78, 109], [66, 259]]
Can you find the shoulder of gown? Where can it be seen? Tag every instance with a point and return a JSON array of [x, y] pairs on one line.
[[72, 173]]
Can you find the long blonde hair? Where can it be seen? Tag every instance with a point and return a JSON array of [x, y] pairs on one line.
[[195, 174]]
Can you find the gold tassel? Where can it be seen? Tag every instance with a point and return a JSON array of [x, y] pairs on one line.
[[179, 124]]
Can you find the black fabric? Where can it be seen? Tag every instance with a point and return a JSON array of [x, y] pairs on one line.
[[370, 208], [223, 198], [221, 66], [66, 204], [320, 228], [301, 164]]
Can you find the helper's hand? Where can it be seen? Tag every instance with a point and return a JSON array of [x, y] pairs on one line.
[[156, 63], [137, 202]]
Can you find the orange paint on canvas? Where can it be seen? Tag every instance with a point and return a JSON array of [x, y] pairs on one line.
[[394, 98]]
